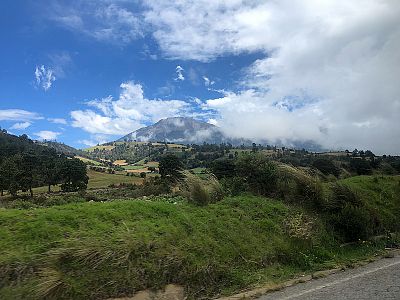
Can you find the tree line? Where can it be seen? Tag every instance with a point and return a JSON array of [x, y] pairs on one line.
[[25, 165]]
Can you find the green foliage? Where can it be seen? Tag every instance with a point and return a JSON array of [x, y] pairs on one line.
[[202, 192], [73, 172], [234, 186], [361, 166], [348, 214], [297, 186], [103, 250], [171, 168], [326, 166], [259, 173], [352, 223], [25, 165], [223, 168], [198, 194]]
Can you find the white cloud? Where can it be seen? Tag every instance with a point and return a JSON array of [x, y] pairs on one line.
[[20, 126], [329, 66], [329, 73], [44, 77], [18, 115], [47, 135], [95, 139], [58, 121], [213, 122], [101, 20], [125, 114], [207, 81], [179, 73]]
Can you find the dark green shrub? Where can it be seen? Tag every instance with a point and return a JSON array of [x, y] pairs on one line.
[[361, 166], [223, 168], [342, 195], [198, 194], [259, 173], [310, 192], [353, 223], [348, 214], [326, 166], [234, 186]]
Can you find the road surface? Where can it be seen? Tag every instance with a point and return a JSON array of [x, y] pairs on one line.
[[379, 280]]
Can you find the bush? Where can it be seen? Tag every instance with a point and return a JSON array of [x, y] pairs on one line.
[[360, 166], [353, 223], [198, 194], [223, 168], [215, 190], [348, 214], [295, 185], [326, 166], [342, 195], [234, 186], [259, 173]]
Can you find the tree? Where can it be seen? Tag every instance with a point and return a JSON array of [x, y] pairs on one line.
[[51, 170], [361, 166], [223, 168], [73, 174], [171, 168]]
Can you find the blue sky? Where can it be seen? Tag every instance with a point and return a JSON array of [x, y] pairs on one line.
[[85, 72]]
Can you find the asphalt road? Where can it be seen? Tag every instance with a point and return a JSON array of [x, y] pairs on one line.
[[379, 280]]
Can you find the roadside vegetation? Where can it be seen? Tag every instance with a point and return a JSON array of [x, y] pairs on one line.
[[232, 222]]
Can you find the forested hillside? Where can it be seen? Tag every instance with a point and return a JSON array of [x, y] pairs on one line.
[[25, 164]]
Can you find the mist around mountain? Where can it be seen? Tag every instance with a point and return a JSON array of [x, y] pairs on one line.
[[181, 130], [184, 130]]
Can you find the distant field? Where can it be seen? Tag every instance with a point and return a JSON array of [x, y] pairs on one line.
[[97, 180], [120, 162], [198, 170], [337, 153], [87, 160], [101, 180], [91, 149]]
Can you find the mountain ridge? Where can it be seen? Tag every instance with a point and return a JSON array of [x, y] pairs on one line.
[[183, 130]]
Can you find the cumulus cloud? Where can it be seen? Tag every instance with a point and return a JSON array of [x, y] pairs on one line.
[[179, 73], [47, 135], [129, 112], [330, 71], [20, 126], [44, 77], [18, 115]]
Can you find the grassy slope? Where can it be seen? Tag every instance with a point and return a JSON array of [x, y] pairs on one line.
[[98, 250], [382, 194], [87, 160], [101, 180]]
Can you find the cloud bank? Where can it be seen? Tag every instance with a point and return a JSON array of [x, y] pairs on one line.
[[329, 73], [132, 110]]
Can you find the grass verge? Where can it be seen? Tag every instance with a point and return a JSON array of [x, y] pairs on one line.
[[100, 250]]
